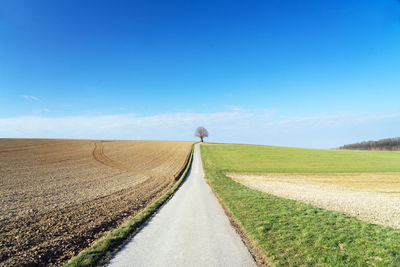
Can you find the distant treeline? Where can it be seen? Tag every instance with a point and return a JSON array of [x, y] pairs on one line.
[[383, 144]]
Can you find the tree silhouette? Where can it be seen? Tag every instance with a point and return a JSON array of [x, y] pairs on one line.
[[201, 132], [383, 144]]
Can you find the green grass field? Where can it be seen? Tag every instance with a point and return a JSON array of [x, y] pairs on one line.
[[251, 158], [291, 233]]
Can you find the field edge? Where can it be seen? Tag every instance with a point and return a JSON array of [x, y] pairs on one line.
[[256, 252], [259, 257], [103, 249], [254, 235]]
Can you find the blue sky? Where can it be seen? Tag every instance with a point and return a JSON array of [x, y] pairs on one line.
[[293, 73]]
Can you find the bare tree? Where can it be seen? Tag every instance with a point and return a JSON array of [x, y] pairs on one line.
[[201, 132]]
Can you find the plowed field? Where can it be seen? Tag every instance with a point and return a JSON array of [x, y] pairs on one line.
[[58, 196]]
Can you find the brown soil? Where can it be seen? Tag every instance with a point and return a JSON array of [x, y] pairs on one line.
[[58, 196]]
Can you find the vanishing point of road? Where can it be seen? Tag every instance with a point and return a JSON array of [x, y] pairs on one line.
[[190, 230]]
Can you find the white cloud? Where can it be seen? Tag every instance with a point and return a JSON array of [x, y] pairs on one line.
[[232, 107], [258, 126], [30, 97]]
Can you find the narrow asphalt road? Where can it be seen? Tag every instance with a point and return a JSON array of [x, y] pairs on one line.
[[190, 230]]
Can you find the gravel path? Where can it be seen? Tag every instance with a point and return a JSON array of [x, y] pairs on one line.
[[374, 207], [190, 230]]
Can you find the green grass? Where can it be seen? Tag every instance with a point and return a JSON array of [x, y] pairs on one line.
[[251, 158], [292, 233], [101, 250]]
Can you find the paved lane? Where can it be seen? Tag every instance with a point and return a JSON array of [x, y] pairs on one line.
[[190, 230]]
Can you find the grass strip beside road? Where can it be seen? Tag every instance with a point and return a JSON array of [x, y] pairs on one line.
[[102, 250], [292, 233]]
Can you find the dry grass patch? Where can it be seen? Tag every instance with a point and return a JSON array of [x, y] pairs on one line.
[[331, 194], [376, 182]]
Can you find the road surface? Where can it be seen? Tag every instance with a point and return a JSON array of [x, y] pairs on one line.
[[190, 230]]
